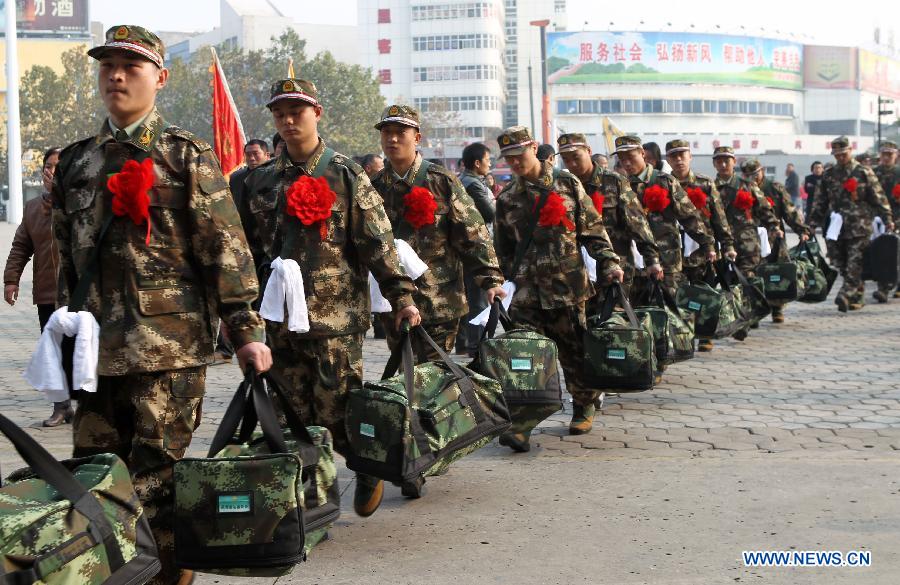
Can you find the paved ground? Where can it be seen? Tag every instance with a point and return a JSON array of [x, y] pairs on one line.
[[789, 440]]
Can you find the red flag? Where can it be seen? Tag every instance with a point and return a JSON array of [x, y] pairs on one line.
[[227, 129]]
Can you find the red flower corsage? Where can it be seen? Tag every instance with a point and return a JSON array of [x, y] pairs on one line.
[[656, 198], [310, 200], [771, 202], [896, 192], [698, 198], [554, 213], [850, 185], [420, 207], [130, 188], [598, 198], [744, 201]]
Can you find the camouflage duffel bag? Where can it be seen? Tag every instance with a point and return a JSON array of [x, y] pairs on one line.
[[673, 328], [73, 521], [416, 424], [784, 280], [820, 276], [619, 349], [525, 364], [755, 304], [718, 313], [242, 515]]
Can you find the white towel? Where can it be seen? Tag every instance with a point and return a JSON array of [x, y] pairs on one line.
[[764, 247], [412, 265], [877, 227], [590, 264], [690, 245], [45, 371], [482, 317], [285, 286], [638, 259], [834, 226]]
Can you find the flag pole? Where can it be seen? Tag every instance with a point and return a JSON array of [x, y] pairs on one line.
[[13, 137]]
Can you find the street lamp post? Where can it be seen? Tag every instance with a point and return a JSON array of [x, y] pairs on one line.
[[13, 137], [545, 96]]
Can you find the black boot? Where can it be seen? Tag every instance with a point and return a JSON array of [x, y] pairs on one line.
[[62, 412]]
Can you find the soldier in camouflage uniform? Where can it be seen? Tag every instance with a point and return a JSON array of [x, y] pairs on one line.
[[848, 188], [709, 204], [617, 204], [446, 238], [162, 280], [785, 212], [348, 238], [551, 280], [888, 173], [675, 211]]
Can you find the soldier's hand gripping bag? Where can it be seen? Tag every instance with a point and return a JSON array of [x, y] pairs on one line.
[[881, 259], [415, 424], [73, 521], [754, 298], [619, 349], [673, 328], [820, 276], [719, 312], [525, 364], [243, 515], [784, 279]]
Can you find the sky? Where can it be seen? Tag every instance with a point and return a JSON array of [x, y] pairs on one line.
[[822, 22]]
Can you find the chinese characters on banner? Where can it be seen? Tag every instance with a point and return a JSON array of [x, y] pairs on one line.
[[52, 16]]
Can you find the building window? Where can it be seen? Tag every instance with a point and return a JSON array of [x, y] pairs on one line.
[[459, 103], [384, 46], [454, 42], [457, 72], [384, 15], [454, 11], [384, 76]]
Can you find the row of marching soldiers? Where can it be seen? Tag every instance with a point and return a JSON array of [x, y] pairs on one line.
[[153, 247]]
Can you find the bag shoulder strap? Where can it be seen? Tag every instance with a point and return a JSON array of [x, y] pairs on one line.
[[525, 242], [322, 164], [421, 174]]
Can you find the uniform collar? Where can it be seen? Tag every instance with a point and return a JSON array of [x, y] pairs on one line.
[[140, 134], [645, 176], [284, 160], [410, 175], [544, 180]]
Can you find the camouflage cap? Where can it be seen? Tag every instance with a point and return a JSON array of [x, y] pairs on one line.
[[514, 140], [399, 114], [572, 141], [677, 145], [840, 144], [887, 146], [294, 89], [723, 151], [627, 142], [750, 166], [134, 39]]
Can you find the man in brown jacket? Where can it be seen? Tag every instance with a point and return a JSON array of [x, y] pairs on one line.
[[33, 238]]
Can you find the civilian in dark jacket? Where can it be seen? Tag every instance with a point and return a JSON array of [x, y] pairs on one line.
[[809, 185], [792, 184]]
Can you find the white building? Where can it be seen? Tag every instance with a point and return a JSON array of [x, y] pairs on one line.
[[251, 24]]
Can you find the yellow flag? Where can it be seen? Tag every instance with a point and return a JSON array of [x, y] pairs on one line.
[[291, 68]]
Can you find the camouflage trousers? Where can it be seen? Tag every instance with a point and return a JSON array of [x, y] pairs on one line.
[[848, 255], [443, 334], [146, 419], [321, 372], [565, 326]]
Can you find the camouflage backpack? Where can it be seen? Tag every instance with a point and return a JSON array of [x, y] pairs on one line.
[[416, 424], [673, 328], [718, 312], [240, 510], [525, 364], [74, 521], [620, 352], [784, 280], [820, 276]]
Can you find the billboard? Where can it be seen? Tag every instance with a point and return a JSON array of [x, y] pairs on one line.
[[663, 57], [51, 17], [879, 74], [829, 67]]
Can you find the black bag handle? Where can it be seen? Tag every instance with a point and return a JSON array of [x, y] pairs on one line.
[[252, 389], [616, 292], [775, 254], [497, 314], [55, 474]]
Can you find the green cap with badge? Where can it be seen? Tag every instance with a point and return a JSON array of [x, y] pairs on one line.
[[293, 89], [571, 141], [887, 146], [677, 145], [628, 142], [514, 140], [840, 144], [723, 151], [750, 166], [134, 39], [399, 114]]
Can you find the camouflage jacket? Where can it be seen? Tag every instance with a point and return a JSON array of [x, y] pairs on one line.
[[857, 214], [457, 237], [889, 177], [335, 270], [156, 303], [743, 226], [715, 223], [665, 224], [783, 207], [552, 273], [623, 216]]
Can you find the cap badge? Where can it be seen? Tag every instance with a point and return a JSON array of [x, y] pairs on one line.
[[504, 140], [288, 86], [121, 33], [393, 111]]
